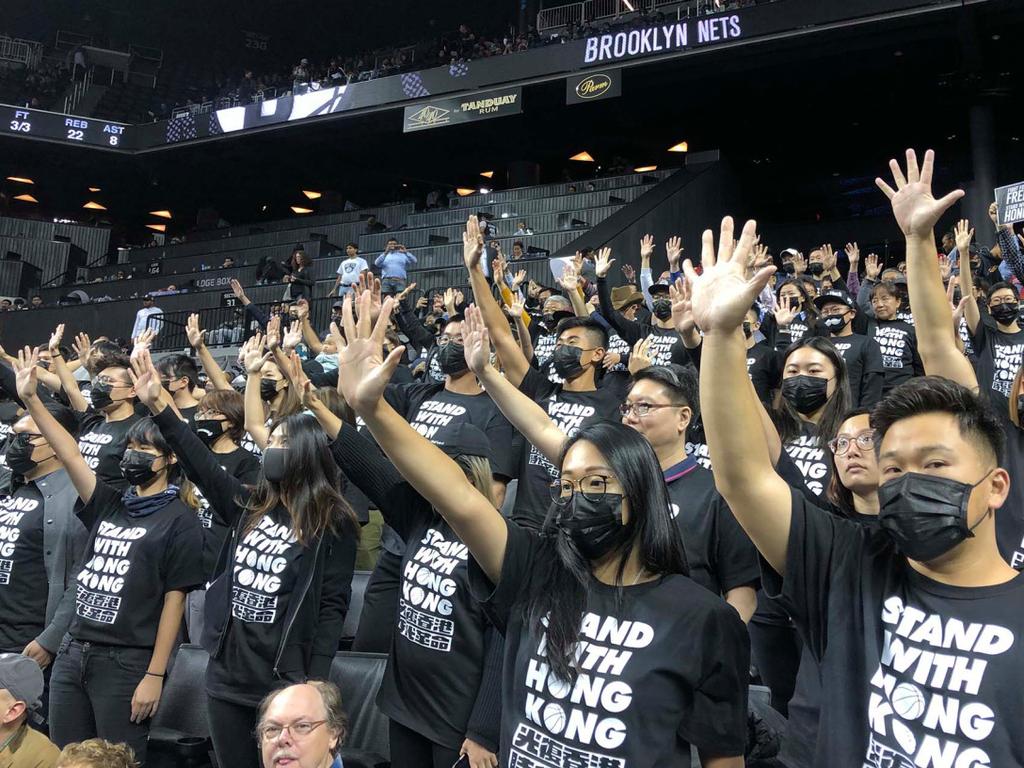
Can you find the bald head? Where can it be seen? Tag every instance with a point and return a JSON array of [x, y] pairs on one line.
[[301, 726]]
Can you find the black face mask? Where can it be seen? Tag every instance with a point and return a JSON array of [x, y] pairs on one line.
[[789, 268], [1004, 313], [137, 467], [835, 323], [748, 331], [268, 390], [595, 527], [274, 461], [208, 430], [924, 515], [100, 396], [452, 359], [552, 319], [19, 454], [662, 308], [805, 393], [566, 362], [816, 268]]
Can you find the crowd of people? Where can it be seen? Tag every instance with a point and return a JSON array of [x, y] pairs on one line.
[[595, 515]]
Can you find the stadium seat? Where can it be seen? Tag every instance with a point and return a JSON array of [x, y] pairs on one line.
[[179, 735], [355, 608], [358, 676]]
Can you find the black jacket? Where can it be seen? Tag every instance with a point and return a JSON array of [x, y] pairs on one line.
[[314, 622]]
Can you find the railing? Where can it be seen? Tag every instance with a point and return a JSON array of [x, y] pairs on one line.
[[19, 51], [78, 92], [67, 40], [561, 16]]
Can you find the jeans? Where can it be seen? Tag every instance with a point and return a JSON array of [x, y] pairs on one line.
[[392, 285], [345, 290], [91, 689], [231, 730]]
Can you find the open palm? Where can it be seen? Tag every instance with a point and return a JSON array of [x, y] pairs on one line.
[[476, 340], [472, 243], [913, 205], [363, 371], [722, 294]]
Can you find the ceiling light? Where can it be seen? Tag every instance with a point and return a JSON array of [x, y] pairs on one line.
[[161, 214], [487, 174], [463, 191], [504, 215], [20, 179], [26, 198], [682, 146], [583, 157], [897, 53], [484, 191], [94, 206], [300, 209], [158, 227], [645, 168], [311, 194], [95, 189]]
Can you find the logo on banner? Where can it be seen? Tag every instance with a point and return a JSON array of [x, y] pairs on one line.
[[593, 86], [429, 117]]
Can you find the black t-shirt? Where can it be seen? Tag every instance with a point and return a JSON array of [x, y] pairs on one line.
[[1010, 516], [898, 343], [544, 348], [864, 369], [189, 414], [8, 416], [246, 467], [662, 342], [913, 672], [130, 563], [266, 563], [762, 369], [435, 413], [807, 456], [720, 555], [23, 580], [437, 648], [569, 411], [999, 358], [102, 445], [616, 344], [662, 665]]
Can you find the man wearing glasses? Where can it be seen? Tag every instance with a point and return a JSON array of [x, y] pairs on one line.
[[302, 726]]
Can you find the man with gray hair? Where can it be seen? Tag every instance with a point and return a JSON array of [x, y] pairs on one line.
[[21, 690], [302, 726]]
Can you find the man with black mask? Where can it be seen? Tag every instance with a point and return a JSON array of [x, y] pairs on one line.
[[554, 310], [579, 351], [665, 344], [862, 355]]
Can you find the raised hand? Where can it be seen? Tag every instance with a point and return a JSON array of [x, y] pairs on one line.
[[640, 358], [646, 247], [449, 300], [872, 266], [370, 285], [292, 338], [146, 378], [406, 291], [472, 243], [302, 309], [81, 347], [55, 339], [273, 339], [761, 257], [610, 360], [721, 295], [784, 315], [577, 262], [829, 261], [674, 249], [682, 308], [498, 269], [363, 371], [476, 341], [253, 355], [852, 251], [629, 273], [238, 291], [799, 263], [196, 337], [603, 262], [944, 267], [915, 209], [26, 380], [963, 234], [516, 310], [297, 377], [570, 278], [519, 279]]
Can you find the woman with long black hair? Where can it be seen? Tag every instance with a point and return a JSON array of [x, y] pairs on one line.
[[269, 397], [142, 556], [594, 611], [275, 610]]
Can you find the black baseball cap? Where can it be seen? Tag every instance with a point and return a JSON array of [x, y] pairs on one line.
[[835, 297], [660, 287], [467, 440]]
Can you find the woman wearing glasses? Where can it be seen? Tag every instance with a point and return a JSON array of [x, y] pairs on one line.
[[596, 612]]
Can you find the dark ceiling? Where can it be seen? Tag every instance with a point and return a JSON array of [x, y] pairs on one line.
[[806, 121]]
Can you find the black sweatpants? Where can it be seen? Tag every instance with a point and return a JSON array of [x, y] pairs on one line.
[[232, 728], [411, 750]]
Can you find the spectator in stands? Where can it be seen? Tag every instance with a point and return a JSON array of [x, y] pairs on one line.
[[299, 277], [6, 305], [228, 263], [517, 250], [36, 301], [179, 375], [349, 270], [522, 229], [21, 690], [142, 318], [97, 753], [300, 76], [304, 725], [373, 226], [269, 270], [394, 263]]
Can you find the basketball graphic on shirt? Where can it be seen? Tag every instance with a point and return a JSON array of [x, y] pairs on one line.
[[416, 595], [554, 718], [904, 737], [908, 701], [558, 688], [673, 511]]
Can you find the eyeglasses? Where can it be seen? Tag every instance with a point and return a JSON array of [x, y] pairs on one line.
[[592, 487], [444, 340], [841, 444], [210, 416], [642, 409], [299, 730], [107, 381]]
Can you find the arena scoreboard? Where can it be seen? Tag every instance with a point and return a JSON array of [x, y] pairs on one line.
[[67, 129]]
